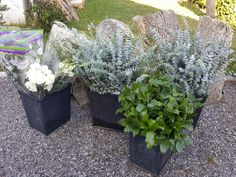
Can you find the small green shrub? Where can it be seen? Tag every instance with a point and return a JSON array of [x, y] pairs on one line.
[[46, 13], [200, 3], [226, 10], [156, 109], [231, 69]]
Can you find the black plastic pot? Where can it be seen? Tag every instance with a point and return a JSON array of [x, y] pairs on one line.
[[103, 110], [151, 160], [48, 114], [198, 114]]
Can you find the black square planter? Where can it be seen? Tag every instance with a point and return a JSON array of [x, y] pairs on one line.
[[151, 160], [198, 114], [103, 110], [47, 114]]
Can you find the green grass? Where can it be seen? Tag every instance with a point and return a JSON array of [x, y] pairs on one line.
[[97, 10]]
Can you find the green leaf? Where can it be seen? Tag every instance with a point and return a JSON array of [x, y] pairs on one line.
[[140, 107], [131, 129], [172, 142], [164, 147], [180, 146], [150, 139], [189, 127], [176, 111], [188, 141]]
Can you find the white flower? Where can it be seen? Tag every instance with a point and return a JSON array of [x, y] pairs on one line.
[[71, 74], [39, 75], [31, 86], [61, 65], [40, 51], [49, 87]]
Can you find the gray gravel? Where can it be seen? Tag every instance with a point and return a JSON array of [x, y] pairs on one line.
[[78, 149]]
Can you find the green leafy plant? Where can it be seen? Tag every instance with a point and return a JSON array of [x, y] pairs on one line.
[[231, 69], [226, 10], [46, 13], [156, 109]]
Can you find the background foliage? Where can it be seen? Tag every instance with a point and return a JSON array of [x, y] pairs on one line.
[[2, 9], [226, 10], [46, 13]]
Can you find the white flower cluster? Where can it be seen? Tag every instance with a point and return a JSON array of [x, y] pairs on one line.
[[39, 75], [67, 69]]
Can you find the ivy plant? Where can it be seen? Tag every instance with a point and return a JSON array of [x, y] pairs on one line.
[[155, 108]]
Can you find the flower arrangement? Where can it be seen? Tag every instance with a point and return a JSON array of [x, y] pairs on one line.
[[38, 75]]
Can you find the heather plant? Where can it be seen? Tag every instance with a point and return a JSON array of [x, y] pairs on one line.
[[107, 65], [191, 63]]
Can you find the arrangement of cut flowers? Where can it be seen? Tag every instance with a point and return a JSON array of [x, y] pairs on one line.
[[38, 75]]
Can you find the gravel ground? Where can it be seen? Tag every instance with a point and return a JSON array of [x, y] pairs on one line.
[[77, 149]]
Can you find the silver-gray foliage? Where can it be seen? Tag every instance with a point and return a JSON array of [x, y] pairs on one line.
[[106, 66], [190, 62]]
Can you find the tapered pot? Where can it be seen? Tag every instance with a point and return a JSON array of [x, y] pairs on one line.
[[103, 110], [151, 160], [49, 113], [197, 116]]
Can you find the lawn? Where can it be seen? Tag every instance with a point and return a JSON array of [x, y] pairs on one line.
[[97, 10]]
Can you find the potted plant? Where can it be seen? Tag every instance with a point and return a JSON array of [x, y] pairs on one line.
[[106, 65], [44, 87], [193, 64], [158, 114]]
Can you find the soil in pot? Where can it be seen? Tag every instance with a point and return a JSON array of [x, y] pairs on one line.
[[49, 113], [103, 110], [151, 160]]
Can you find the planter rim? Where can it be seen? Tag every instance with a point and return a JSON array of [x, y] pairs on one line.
[[158, 146], [106, 94], [40, 99]]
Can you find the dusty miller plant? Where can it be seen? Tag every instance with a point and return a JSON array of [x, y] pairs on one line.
[[107, 65], [191, 63]]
